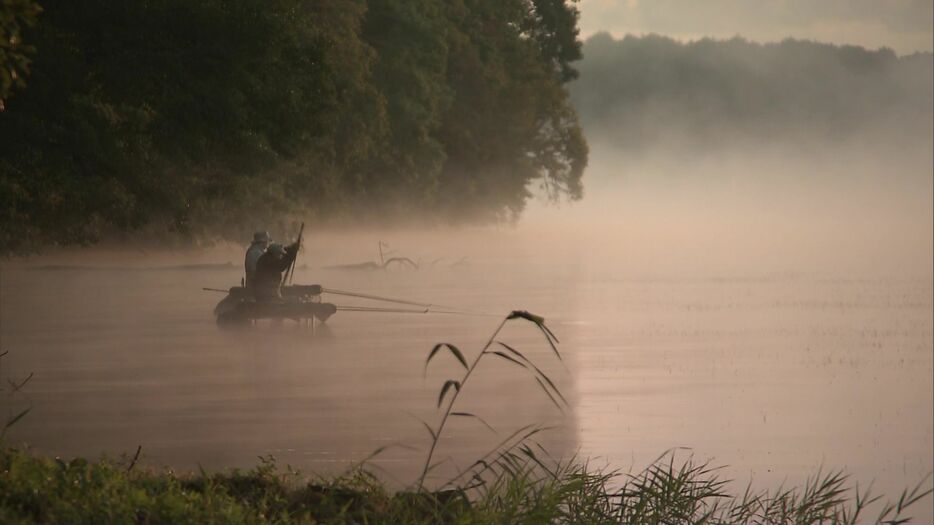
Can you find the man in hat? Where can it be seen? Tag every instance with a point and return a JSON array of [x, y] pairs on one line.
[[257, 248], [269, 268]]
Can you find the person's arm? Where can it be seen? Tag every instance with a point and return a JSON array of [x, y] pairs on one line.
[[291, 251]]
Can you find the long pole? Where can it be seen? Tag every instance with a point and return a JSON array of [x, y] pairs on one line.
[[428, 307], [291, 272]]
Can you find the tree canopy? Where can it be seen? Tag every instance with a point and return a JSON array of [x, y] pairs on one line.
[[210, 118]]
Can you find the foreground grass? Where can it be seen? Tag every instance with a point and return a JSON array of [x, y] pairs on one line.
[[518, 488]]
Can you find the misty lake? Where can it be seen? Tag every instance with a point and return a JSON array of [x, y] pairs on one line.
[[771, 375]]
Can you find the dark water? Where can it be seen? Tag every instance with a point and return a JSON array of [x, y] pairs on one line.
[[773, 375]]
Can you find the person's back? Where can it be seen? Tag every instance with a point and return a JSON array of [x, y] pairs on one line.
[[256, 250], [269, 268]]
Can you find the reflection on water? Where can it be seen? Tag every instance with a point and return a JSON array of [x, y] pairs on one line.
[[773, 376], [133, 358]]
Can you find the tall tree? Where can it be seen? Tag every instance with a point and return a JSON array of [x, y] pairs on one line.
[[511, 123], [15, 15]]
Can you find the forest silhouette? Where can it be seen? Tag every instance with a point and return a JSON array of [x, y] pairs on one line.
[[206, 119], [643, 94]]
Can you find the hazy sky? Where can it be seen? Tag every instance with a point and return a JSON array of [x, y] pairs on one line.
[[903, 25]]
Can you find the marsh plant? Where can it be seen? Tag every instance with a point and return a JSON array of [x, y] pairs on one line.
[[501, 350], [516, 482], [519, 482], [11, 390]]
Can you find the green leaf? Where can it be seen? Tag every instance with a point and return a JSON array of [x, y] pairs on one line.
[[22, 383], [553, 388], [447, 386], [431, 355], [457, 353], [550, 396], [525, 449], [540, 323], [551, 342], [453, 349], [522, 314], [478, 418], [537, 370], [510, 359], [514, 351], [16, 418]]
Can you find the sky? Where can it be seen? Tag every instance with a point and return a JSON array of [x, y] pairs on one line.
[[905, 26]]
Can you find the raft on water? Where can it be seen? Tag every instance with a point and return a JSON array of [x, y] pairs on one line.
[[298, 303], [303, 303]]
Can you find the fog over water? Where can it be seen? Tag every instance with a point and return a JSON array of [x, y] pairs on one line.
[[769, 306], [772, 327]]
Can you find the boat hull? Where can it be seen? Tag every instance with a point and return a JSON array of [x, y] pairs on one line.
[[298, 303]]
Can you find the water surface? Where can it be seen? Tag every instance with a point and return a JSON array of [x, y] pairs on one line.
[[773, 375]]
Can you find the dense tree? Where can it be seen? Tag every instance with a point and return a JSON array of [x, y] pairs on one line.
[[207, 118], [511, 122], [409, 40], [15, 15]]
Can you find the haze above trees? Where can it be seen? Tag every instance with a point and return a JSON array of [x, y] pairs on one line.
[[652, 93]]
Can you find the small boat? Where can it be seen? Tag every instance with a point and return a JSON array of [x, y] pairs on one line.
[[299, 303], [303, 303]]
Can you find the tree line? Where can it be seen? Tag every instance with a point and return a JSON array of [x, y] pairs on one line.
[[205, 119], [642, 93]]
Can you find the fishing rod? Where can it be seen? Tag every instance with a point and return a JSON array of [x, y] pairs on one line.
[[408, 311], [374, 297], [429, 307], [424, 308], [377, 309], [291, 271]]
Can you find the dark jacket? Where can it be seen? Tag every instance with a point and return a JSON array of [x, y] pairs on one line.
[[253, 253], [269, 270]]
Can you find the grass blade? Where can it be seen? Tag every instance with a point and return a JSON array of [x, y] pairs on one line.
[[457, 354], [478, 418], [447, 386], [16, 418], [506, 357], [550, 396], [454, 351], [431, 356]]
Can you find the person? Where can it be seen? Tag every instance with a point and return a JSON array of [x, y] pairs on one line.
[[257, 248], [269, 268]]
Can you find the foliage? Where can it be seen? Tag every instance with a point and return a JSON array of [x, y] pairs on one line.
[[15, 15], [456, 386], [526, 488], [211, 118], [511, 122], [11, 390]]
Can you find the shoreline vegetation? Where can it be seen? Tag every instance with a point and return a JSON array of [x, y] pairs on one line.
[[524, 489]]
